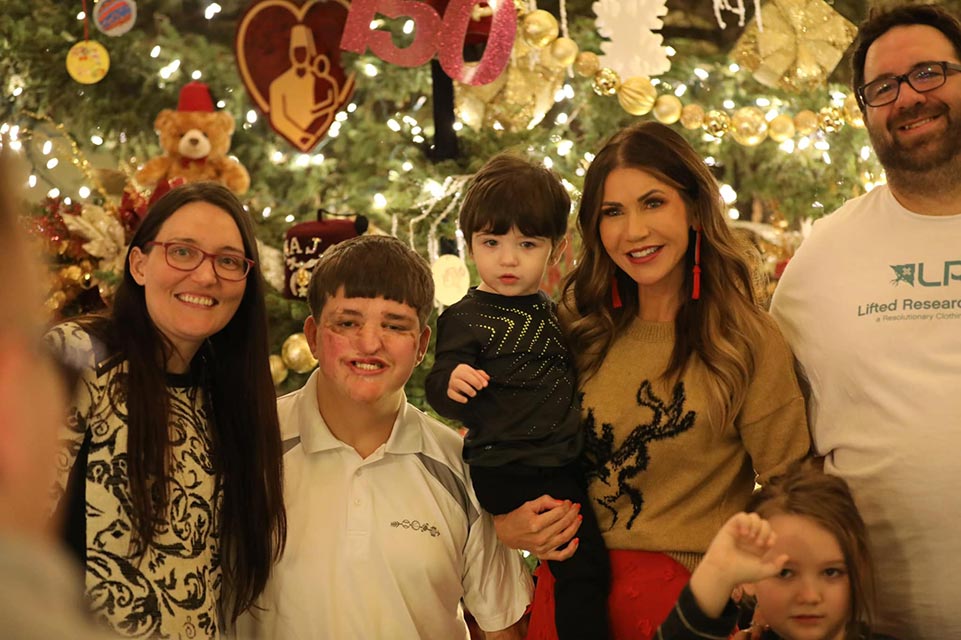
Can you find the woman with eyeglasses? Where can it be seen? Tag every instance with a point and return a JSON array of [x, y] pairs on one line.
[[170, 465]]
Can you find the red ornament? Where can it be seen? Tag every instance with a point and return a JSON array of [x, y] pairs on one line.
[[433, 35], [289, 59]]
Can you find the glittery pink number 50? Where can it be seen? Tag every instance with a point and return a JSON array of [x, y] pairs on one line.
[[432, 34]]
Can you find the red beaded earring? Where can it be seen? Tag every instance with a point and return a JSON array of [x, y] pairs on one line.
[[696, 289]]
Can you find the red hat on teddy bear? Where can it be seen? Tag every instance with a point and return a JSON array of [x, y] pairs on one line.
[[195, 96]]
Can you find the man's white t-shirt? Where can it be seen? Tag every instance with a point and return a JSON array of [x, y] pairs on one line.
[[871, 306]]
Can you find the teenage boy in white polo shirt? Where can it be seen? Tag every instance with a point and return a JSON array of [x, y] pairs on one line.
[[385, 538]]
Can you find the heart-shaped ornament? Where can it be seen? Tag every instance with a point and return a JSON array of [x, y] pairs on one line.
[[289, 58]]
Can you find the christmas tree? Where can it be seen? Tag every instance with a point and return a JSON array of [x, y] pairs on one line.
[[787, 151]]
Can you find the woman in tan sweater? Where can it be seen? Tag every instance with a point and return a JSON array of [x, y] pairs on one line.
[[689, 391]]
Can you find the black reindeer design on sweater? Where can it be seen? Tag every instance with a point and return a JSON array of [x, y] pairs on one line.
[[631, 458]]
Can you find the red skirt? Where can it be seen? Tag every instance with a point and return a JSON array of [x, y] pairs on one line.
[[644, 587]]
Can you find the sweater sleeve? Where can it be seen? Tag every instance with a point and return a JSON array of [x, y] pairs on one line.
[[74, 346], [687, 622], [773, 422], [455, 345]]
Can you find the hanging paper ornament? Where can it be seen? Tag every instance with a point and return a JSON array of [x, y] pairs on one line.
[[540, 28], [278, 370], [749, 126], [296, 354], [692, 116], [667, 109], [290, 60], [781, 128], [806, 122], [451, 279], [115, 17], [637, 96], [801, 44], [518, 99], [632, 49], [88, 62]]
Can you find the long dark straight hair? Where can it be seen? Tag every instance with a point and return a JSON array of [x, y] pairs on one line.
[[241, 405]]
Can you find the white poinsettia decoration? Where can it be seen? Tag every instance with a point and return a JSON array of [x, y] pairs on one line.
[[104, 234], [633, 48], [271, 265]]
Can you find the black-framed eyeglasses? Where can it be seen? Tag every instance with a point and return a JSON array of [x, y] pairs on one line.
[[926, 76], [186, 257]]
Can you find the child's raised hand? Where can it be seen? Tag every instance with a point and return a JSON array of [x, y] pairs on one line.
[[738, 554], [465, 382], [740, 549]]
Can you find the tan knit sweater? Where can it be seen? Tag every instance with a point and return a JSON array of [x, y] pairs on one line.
[[665, 478]]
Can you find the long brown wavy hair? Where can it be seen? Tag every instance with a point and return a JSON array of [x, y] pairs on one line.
[[721, 327], [241, 403]]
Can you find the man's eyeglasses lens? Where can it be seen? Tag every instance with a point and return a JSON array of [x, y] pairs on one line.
[[922, 78]]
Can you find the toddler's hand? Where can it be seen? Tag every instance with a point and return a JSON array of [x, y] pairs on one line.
[[465, 382]]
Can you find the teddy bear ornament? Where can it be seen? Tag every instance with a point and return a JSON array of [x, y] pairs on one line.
[[195, 139]]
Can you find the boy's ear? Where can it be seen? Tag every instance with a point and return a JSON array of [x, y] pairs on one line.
[[558, 250]]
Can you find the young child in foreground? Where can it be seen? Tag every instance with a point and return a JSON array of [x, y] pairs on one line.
[[802, 551], [502, 367]]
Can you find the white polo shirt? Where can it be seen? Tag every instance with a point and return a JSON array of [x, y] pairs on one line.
[[387, 546]]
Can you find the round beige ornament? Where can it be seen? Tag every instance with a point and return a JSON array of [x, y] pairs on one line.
[[451, 279]]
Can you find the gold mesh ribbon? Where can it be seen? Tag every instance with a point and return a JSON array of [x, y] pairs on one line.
[[801, 44]]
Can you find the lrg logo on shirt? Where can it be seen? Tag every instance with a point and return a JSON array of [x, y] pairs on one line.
[[911, 273]]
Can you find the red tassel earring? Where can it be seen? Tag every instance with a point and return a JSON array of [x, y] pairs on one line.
[[615, 294], [696, 289]]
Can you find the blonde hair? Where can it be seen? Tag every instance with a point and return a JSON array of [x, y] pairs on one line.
[[722, 327]]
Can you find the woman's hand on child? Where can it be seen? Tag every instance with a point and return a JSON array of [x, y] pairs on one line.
[[541, 526], [738, 554], [465, 382]]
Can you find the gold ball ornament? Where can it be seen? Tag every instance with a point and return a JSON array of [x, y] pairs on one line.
[[781, 128], [278, 370], [717, 123], [540, 28], [587, 64], [637, 95], [806, 122], [830, 119], [749, 126], [296, 354], [71, 275], [56, 301], [852, 112], [692, 116], [667, 109], [606, 82], [564, 51]]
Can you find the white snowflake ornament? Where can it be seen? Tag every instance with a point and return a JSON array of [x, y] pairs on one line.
[[629, 25]]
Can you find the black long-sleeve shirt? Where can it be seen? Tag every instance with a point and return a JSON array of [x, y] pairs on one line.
[[528, 413]]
